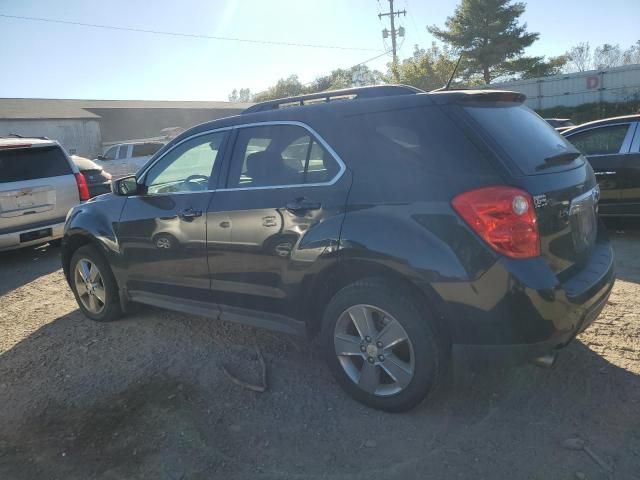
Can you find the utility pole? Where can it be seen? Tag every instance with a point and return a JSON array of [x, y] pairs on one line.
[[394, 33]]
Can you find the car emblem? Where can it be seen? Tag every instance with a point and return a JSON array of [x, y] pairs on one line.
[[25, 191], [540, 201]]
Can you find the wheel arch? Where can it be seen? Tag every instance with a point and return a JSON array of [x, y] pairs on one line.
[[346, 272]]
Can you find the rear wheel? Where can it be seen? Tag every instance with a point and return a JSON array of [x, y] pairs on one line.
[[380, 346], [93, 285]]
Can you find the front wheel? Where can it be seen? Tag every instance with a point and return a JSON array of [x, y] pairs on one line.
[[380, 346], [93, 285]]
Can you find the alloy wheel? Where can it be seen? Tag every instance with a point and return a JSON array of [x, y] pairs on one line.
[[90, 286], [374, 350]]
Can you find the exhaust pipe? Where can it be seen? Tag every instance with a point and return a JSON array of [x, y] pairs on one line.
[[546, 361]]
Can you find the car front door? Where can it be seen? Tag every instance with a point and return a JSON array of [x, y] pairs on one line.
[[108, 161], [283, 205], [162, 230], [606, 147]]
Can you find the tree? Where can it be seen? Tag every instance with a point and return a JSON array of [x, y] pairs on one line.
[[631, 55], [489, 34], [535, 67], [285, 87], [607, 56], [425, 69], [580, 57], [358, 75], [244, 95]]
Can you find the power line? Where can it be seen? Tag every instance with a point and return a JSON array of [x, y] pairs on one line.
[[187, 35]]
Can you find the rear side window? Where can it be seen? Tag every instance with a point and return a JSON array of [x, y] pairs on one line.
[[525, 137], [32, 163], [278, 155], [423, 137], [600, 141], [145, 149]]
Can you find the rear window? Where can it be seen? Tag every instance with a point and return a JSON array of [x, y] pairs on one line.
[[32, 163], [145, 149], [525, 137]]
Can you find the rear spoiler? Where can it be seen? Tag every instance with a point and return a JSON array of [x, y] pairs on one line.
[[478, 96]]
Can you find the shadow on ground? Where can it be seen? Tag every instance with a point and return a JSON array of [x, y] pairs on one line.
[[146, 398], [19, 267]]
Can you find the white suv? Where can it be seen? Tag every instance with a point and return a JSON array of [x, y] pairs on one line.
[[39, 184], [127, 158]]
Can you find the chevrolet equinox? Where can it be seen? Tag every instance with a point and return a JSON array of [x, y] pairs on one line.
[[394, 226]]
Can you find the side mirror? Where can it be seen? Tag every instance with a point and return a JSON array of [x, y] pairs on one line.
[[125, 186], [100, 157]]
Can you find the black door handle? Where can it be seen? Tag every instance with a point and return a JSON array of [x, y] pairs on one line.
[[190, 214], [302, 204]]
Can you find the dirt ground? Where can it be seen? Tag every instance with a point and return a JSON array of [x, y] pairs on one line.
[[146, 397]]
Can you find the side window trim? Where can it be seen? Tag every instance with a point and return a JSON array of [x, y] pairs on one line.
[[314, 136], [635, 142], [626, 143], [229, 145]]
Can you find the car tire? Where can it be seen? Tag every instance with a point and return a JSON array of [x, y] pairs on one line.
[[98, 297], [412, 366]]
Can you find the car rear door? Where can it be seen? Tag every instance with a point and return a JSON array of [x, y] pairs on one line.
[[283, 205], [37, 186], [606, 148], [162, 231]]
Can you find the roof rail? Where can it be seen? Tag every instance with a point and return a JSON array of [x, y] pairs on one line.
[[352, 93], [17, 135]]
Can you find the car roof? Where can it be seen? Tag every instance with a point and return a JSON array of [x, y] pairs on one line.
[[322, 113], [25, 142], [602, 122]]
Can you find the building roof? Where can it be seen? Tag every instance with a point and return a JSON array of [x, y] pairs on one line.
[[46, 108]]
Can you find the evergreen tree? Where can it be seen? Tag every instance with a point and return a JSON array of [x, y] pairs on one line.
[[489, 34]]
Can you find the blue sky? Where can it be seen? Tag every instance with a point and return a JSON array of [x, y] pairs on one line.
[[62, 61]]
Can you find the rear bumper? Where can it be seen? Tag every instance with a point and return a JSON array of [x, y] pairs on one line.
[[522, 353], [12, 240], [519, 310]]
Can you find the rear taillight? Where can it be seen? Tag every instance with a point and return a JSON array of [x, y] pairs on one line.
[[504, 217], [83, 189]]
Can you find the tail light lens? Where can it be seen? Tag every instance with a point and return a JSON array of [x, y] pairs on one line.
[[504, 217], [83, 189]]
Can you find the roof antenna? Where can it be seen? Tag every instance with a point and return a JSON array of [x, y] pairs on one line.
[[453, 74]]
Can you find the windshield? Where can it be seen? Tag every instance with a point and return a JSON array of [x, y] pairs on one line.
[[524, 137]]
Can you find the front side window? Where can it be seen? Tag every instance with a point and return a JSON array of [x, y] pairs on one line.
[[110, 154], [600, 141], [122, 153], [186, 168], [279, 155]]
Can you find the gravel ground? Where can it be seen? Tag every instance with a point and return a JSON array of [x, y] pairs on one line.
[[146, 397]]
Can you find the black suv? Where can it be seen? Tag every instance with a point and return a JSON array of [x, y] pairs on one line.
[[393, 225]]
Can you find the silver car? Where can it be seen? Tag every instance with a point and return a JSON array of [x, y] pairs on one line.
[[38, 185]]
